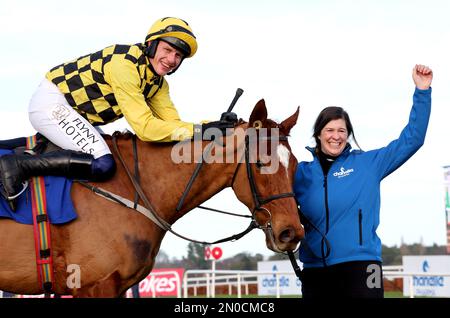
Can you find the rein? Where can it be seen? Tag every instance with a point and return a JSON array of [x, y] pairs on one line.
[[161, 222], [257, 199], [297, 270], [153, 215]]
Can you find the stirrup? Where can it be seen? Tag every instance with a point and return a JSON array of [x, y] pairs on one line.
[[25, 186]]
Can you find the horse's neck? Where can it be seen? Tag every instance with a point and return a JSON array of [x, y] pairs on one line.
[[164, 180]]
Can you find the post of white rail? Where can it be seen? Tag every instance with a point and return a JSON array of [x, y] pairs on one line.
[[208, 286], [238, 285], [185, 287], [213, 278]]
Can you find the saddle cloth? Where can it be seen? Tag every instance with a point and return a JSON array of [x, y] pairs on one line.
[[60, 208]]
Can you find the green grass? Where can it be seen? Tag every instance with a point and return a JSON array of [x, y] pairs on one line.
[[394, 294]]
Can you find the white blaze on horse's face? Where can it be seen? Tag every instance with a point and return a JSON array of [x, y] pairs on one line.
[[277, 153], [284, 154]]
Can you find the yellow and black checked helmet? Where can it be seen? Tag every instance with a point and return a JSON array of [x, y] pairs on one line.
[[176, 32]]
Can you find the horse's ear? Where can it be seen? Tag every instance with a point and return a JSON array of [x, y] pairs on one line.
[[258, 113], [290, 122]]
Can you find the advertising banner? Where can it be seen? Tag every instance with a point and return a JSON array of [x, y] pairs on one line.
[[161, 282], [289, 283], [427, 284]]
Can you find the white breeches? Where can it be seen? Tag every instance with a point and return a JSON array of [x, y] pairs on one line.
[[52, 116]]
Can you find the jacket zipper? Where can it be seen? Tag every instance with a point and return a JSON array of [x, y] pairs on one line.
[[360, 227], [327, 210], [327, 218]]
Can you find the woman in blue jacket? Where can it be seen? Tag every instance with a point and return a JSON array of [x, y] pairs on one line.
[[339, 197]]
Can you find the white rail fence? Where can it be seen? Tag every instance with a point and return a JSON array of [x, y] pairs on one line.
[[230, 278], [240, 280]]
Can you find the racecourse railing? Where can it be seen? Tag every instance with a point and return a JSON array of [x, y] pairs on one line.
[[241, 279], [210, 279]]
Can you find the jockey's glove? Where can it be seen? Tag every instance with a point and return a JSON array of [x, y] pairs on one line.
[[212, 130]]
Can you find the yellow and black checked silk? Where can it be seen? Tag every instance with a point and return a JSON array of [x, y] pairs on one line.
[[84, 85]]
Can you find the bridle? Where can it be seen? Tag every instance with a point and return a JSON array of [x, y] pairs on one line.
[[258, 201]]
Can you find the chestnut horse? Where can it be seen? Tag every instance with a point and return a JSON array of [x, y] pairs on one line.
[[115, 247]]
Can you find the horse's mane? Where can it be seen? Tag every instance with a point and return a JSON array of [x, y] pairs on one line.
[[125, 134]]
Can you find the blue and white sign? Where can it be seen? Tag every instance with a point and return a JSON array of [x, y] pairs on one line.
[[288, 282], [427, 283]]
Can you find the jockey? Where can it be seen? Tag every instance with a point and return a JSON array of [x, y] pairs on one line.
[[97, 89]]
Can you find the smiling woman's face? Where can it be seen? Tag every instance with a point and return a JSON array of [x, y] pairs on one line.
[[333, 137]]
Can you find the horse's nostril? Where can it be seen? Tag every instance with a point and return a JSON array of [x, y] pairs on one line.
[[287, 235]]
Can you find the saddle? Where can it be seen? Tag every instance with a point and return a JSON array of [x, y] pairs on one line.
[[18, 145], [59, 202]]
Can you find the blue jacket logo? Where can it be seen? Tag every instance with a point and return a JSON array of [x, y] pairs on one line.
[[343, 173]]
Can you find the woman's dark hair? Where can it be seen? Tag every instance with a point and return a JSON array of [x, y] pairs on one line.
[[328, 114]]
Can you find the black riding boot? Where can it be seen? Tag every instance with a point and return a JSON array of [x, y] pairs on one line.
[[16, 169]]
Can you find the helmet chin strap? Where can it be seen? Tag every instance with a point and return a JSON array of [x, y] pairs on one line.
[[150, 49]]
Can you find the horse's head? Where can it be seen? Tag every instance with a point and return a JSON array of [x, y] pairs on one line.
[[264, 178]]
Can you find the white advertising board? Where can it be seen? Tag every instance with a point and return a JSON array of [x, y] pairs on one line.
[[289, 283], [428, 284]]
